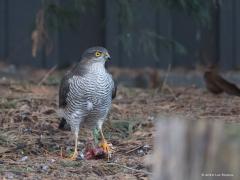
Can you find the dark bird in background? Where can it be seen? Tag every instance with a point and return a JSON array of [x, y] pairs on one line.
[[216, 84], [85, 95]]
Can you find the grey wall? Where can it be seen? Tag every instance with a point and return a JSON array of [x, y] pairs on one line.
[[230, 34], [89, 32], [17, 20]]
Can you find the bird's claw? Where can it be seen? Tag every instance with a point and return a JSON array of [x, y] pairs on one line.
[[107, 148], [74, 156]]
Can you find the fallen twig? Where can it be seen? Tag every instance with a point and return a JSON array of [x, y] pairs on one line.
[[165, 78], [164, 84], [134, 149], [47, 75], [129, 168]]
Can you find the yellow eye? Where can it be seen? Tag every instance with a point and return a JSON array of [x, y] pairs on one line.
[[97, 54]]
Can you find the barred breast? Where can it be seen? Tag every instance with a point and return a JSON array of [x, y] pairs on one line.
[[89, 98]]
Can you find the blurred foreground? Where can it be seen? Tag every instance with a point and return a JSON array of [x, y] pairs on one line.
[[195, 150]]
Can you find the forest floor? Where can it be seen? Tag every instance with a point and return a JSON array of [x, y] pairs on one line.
[[31, 143]]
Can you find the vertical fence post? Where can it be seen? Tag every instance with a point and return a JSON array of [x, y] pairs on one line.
[[195, 150]]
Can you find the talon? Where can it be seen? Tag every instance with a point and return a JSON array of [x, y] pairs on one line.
[[74, 156], [107, 148]]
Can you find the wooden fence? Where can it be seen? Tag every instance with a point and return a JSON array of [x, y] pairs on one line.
[[102, 27]]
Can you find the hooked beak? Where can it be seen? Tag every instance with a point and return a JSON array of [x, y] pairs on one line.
[[107, 56]]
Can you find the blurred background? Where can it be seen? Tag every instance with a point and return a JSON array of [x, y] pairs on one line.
[[138, 33]]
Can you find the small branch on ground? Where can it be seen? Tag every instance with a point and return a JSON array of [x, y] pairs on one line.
[[129, 168], [164, 84], [47, 75], [134, 149]]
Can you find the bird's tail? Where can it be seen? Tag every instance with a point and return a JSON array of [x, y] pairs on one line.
[[231, 89], [63, 125], [217, 84], [227, 87]]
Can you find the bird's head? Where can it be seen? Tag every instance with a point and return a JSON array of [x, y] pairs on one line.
[[95, 55]]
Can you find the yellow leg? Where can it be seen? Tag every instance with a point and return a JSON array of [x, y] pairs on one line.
[[75, 154], [105, 145]]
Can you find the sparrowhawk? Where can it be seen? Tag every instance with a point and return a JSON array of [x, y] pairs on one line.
[[85, 94]]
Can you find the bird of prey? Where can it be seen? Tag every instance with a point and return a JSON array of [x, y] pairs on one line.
[[85, 95], [217, 84]]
